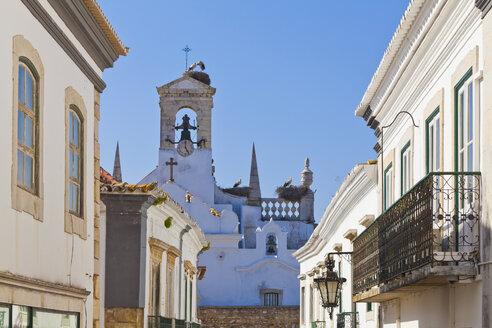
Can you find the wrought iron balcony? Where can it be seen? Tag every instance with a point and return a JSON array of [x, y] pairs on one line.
[[348, 320], [318, 324], [432, 230], [162, 322]]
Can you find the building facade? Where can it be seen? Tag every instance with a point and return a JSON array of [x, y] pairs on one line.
[[249, 263], [53, 54], [425, 260], [151, 254], [350, 211]]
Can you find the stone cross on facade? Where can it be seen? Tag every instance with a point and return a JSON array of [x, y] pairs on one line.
[[171, 163]]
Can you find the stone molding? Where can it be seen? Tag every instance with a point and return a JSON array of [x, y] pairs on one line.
[[367, 220], [73, 223], [19, 281], [172, 254], [23, 200], [64, 42], [157, 247], [484, 6], [256, 265], [83, 25]]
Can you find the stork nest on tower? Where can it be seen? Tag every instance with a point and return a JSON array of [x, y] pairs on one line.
[[292, 193], [199, 76], [237, 191]]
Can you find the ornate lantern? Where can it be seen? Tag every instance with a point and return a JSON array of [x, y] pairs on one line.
[[329, 286]]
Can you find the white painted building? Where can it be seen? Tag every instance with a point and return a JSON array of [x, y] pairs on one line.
[[351, 210], [151, 247], [52, 56], [249, 262], [426, 257]]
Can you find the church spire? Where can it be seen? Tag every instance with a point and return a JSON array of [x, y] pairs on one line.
[[117, 166], [254, 197]]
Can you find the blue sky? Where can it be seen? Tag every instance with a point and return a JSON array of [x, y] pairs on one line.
[[288, 74]]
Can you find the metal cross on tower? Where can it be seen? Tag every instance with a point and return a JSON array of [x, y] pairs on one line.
[[186, 49], [171, 163]]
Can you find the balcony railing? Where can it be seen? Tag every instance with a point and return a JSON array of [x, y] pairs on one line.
[[318, 324], [348, 320], [162, 322], [436, 223]]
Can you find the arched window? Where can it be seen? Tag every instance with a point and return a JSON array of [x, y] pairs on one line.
[[27, 126], [190, 132], [271, 244], [75, 156]]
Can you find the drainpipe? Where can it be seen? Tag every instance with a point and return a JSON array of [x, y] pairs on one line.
[[181, 234]]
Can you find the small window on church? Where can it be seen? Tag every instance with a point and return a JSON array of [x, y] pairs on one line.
[[270, 299], [271, 244]]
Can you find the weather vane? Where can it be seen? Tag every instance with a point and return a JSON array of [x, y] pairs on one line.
[[186, 49]]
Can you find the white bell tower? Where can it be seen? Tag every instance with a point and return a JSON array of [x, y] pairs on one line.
[[191, 160]]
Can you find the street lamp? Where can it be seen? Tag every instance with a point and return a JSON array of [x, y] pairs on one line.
[[329, 284]]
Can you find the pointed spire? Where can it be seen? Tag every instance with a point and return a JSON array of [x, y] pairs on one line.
[[254, 197], [306, 174], [117, 166]]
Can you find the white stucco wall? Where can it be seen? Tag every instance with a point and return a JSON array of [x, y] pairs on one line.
[[356, 198], [42, 249]]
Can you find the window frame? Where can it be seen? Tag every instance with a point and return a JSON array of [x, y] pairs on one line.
[[385, 186], [75, 111], [33, 113], [406, 151], [434, 120], [274, 299], [460, 128], [271, 234], [32, 309]]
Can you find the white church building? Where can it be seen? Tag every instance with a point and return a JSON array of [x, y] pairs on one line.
[[249, 262]]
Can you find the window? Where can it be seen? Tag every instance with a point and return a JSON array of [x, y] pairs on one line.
[[42, 319], [191, 300], [16, 316], [26, 128], [388, 186], [433, 140], [465, 125], [369, 307], [155, 289], [170, 291], [186, 296], [75, 162], [4, 316], [303, 303], [270, 299], [271, 244], [406, 168]]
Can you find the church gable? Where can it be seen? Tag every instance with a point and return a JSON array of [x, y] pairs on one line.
[[186, 83]]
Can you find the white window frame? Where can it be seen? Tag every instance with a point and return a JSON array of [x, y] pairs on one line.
[[433, 139], [406, 168], [388, 186]]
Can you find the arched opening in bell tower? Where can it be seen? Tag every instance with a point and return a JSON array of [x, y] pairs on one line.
[[186, 126]]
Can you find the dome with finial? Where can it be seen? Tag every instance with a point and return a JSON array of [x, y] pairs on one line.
[[307, 174]]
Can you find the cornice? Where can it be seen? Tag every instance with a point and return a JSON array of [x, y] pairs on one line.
[[64, 42], [15, 280], [397, 42], [256, 265], [484, 6], [356, 186], [439, 47], [76, 15]]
